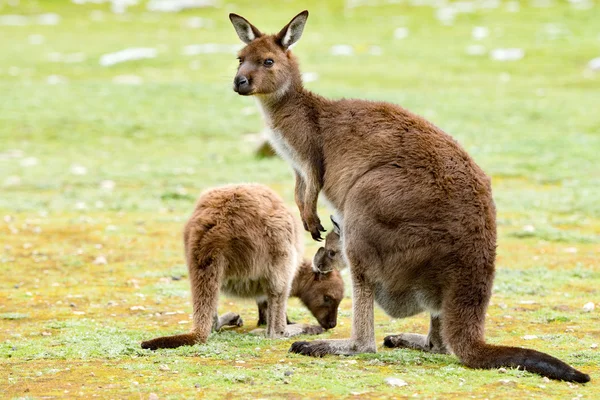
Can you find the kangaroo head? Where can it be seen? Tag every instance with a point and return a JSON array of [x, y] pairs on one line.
[[322, 296], [329, 257], [266, 65]]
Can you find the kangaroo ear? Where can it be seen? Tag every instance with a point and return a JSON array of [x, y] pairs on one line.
[[291, 33], [245, 30], [336, 227]]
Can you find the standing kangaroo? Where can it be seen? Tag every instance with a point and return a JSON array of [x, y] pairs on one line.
[[243, 240], [417, 215]]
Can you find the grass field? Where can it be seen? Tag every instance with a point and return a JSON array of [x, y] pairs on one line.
[[100, 166]]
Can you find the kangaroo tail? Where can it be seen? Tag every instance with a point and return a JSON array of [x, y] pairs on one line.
[[205, 266], [170, 342], [488, 356], [463, 324]]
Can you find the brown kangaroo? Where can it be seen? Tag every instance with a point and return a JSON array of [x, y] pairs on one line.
[[329, 257], [320, 292], [417, 215], [243, 240]]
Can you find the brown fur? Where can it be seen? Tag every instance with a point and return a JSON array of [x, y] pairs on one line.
[[320, 292], [417, 214], [329, 257], [243, 240]]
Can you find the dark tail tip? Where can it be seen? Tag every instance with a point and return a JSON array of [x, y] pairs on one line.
[[578, 377], [488, 356]]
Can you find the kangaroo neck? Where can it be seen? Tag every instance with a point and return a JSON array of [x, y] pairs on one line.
[[285, 106], [303, 276]]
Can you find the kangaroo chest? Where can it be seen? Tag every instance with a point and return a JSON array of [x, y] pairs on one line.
[[287, 152]]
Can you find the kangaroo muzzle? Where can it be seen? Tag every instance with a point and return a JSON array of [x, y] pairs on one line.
[[241, 85]]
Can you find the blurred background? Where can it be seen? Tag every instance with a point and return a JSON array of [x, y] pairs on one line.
[[114, 115]]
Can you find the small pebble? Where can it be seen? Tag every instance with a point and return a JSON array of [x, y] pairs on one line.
[[164, 367], [100, 260], [588, 307], [502, 370], [529, 337], [395, 382], [594, 346]]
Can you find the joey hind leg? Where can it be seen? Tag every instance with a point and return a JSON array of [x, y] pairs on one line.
[[432, 342], [262, 313], [227, 320]]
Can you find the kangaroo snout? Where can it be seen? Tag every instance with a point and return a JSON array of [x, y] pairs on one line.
[[328, 324], [241, 85]]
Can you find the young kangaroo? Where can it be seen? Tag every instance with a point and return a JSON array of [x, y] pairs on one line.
[[320, 292], [328, 258], [243, 240], [417, 215]]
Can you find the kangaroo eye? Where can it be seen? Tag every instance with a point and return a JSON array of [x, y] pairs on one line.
[[268, 62], [327, 299], [241, 60], [331, 253]]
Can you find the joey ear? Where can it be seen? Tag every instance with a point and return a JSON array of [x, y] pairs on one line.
[[336, 227], [245, 30], [291, 33]]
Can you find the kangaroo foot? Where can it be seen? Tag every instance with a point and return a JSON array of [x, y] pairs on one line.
[[229, 320], [414, 341], [319, 348], [302, 329]]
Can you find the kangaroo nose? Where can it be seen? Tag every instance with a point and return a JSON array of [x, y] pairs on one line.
[[241, 85], [240, 81], [331, 324]]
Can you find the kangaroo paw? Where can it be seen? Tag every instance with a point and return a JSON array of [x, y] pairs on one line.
[[319, 348], [302, 329], [414, 341]]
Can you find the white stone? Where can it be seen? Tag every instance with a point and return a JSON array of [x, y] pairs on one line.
[[129, 54], [128, 80], [56, 80], [100, 260], [401, 33], [77, 169], [529, 228], [588, 307], [395, 382], [178, 5], [341, 50], [475, 50], [530, 337], [480, 32], [210, 48], [36, 39], [309, 77], [29, 162], [594, 64], [509, 54]]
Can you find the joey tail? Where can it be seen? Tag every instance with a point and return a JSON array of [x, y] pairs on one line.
[[205, 271], [170, 342]]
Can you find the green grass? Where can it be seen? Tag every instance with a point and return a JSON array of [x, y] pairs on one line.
[[72, 328]]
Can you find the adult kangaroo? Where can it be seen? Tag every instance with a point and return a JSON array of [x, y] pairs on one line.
[[417, 215]]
